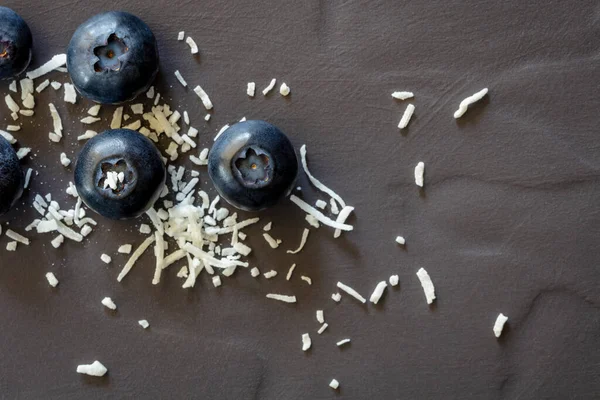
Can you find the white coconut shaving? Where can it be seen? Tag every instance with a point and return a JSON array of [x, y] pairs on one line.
[[274, 243], [134, 257], [269, 87], [58, 241], [13, 128], [321, 204], [94, 110], [27, 113], [400, 240], [11, 103], [267, 227], [180, 78], [499, 324], [70, 93], [124, 249], [56, 85], [11, 246], [351, 292], [55, 62], [207, 117], [403, 95], [284, 89], [108, 303], [408, 113], [64, 160], [181, 35], [87, 135], [315, 181], [17, 237], [89, 120], [94, 369], [306, 279], [378, 292], [307, 208], [302, 242], [322, 328], [251, 89], [105, 258], [464, 105], [203, 97], [254, 272], [56, 121], [419, 173], [216, 280], [143, 323], [52, 281], [334, 384], [342, 342], [13, 86], [192, 44], [117, 118], [336, 297], [281, 297], [427, 285], [394, 280], [306, 342], [270, 274], [145, 229], [290, 272]]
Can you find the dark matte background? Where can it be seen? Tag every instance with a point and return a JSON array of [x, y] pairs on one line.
[[509, 220]]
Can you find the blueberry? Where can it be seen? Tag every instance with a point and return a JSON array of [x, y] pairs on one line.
[[11, 176], [119, 174], [112, 57], [15, 44], [253, 165]]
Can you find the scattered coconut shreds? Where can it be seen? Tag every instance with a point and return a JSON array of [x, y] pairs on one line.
[[64, 160], [290, 272], [143, 323], [336, 297], [94, 110], [312, 221], [13, 128], [9, 138], [216, 280], [192, 44], [13, 86], [70, 93], [183, 272], [427, 285], [55, 62], [306, 279], [27, 113], [89, 120], [403, 95], [105, 258], [223, 129], [207, 117], [464, 105], [52, 281], [94, 369], [203, 97], [274, 243], [306, 343], [137, 109], [157, 99], [181, 35], [269, 87], [124, 249], [251, 89], [16, 236], [56, 121], [302, 242], [408, 112], [117, 118], [342, 342], [145, 229], [270, 274], [87, 135], [180, 78], [315, 181], [378, 292], [419, 172], [267, 227], [56, 85], [27, 176], [254, 272], [307, 208], [11, 103], [394, 280], [341, 218], [334, 384], [320, 316], [281, 297], [108, 303], [57, 241], [11, 246], [351, 292], [321, 204], [284, 90], [186, 118], [322, 328], [14, 116], [134, 257], [499, 324], [400, 240], [159, 253], [26, 88], [150, 93]]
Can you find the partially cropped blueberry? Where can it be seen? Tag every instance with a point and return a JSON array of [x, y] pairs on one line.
[[112, 57], [15, 44], [119, 174], [11, 176], [253, 165]]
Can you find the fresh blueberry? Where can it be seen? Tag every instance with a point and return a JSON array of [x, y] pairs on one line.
[[253, 165], [112, 57], [15, 44], [11, 176], [119, 174]]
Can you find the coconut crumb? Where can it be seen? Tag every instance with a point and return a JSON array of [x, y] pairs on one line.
[[181, 35], [270, 274], [108, 303], [403, 95], [394, 280], [64, 160], [306, 279], [464, 105], [400, 240], [499, 324], [290, 272], [94, 110], [336, 297], [306, 342], [11, 246], [117, 118], [87, 135], [342, 342], [203, 97], [192, 44], [251, 89], [274, 243], [281, 297], [322, 328], [378, 292], [351, 292], [70, 93], [427, 285], [56, 85], [52, 281], [284, 90], [180, 78], [94, 369], [408, 113], [302, 242], [216, 280], [105, 258], [419, 172], [124, 249], [143, 323], [334, 384], [307, 208], [254, 272], [269, 87]]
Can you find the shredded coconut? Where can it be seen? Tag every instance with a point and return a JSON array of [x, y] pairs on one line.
[[315, 181], [70, 93], [16, 236], [143, 323], [106, 258], [9, 138], [124, 249], [282, 297], [270, 274], [134, 257], [419, 172], [321, 204], [180, 78], [94, 369], [306, 343], [181, 35], [336, 297], [464, 105], [11, 103], [11, 246], [192, 44], [52, 281], [290, 272], [251, 89], [55, 62], [403, 95], [334, 384], [64, 160], [269, 87], [306, 279], [341, 218], [56, 85], [427, 285], [216, 280], [284, 90], [342, 342], [322, 328], [499, 324], [203, 97], [117, 118], [400, 240], [108, 303], [351, 292], [408, 113], [319, 215], [254, 272], [274, 243], [394, 280], [378, 292]]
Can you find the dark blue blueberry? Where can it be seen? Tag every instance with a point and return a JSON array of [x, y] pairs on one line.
[[112, 57], [253, 165], [119, 151], [15, 44], [11, 176]]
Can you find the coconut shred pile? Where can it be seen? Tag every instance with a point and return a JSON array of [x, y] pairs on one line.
[[188, 232]]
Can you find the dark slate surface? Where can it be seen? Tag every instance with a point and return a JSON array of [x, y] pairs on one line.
[[508, 222]]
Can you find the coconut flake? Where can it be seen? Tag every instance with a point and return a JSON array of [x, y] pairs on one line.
[[250, 89], [105, 258], [254, 272], [55, 62], [207, 117], [336, 297], [499, 324], [334, 384], [290, 272], [145, 229], [11, 246], [64, 160], [124, 249], [26, 113], [378, 292], [267, 227], [270, 274], [26, 88], [269, 87], [13, 86], [306, 343], [306, 279], [11, 103], [52, 281], [321, 204], [351, 292], [180, 78], [403, 95], [427, 285], [394, 280], [216, 280], [400, 240], [143, 323], [319, 215], [408, 112], [341, 218], [94, 369], [281, 297], [56, 121], [284, 90], [117, 118], [322, 328], [204, 97], [342, 342], [181, 35], [56, 85], [150, 93], [18, 237], [312, 221], [419, 172], [13, 128], [192, 44], [223, 129], [70, 93], [87, 135], [108, 303], [134, 257], [274, 243], [27, 175], [94, 110], [464, 105], [315, 181]]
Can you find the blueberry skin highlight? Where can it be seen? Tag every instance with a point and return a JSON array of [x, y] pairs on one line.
[[112, 57], [253, 165], [11, 177], [120, 150], [15, 44]]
